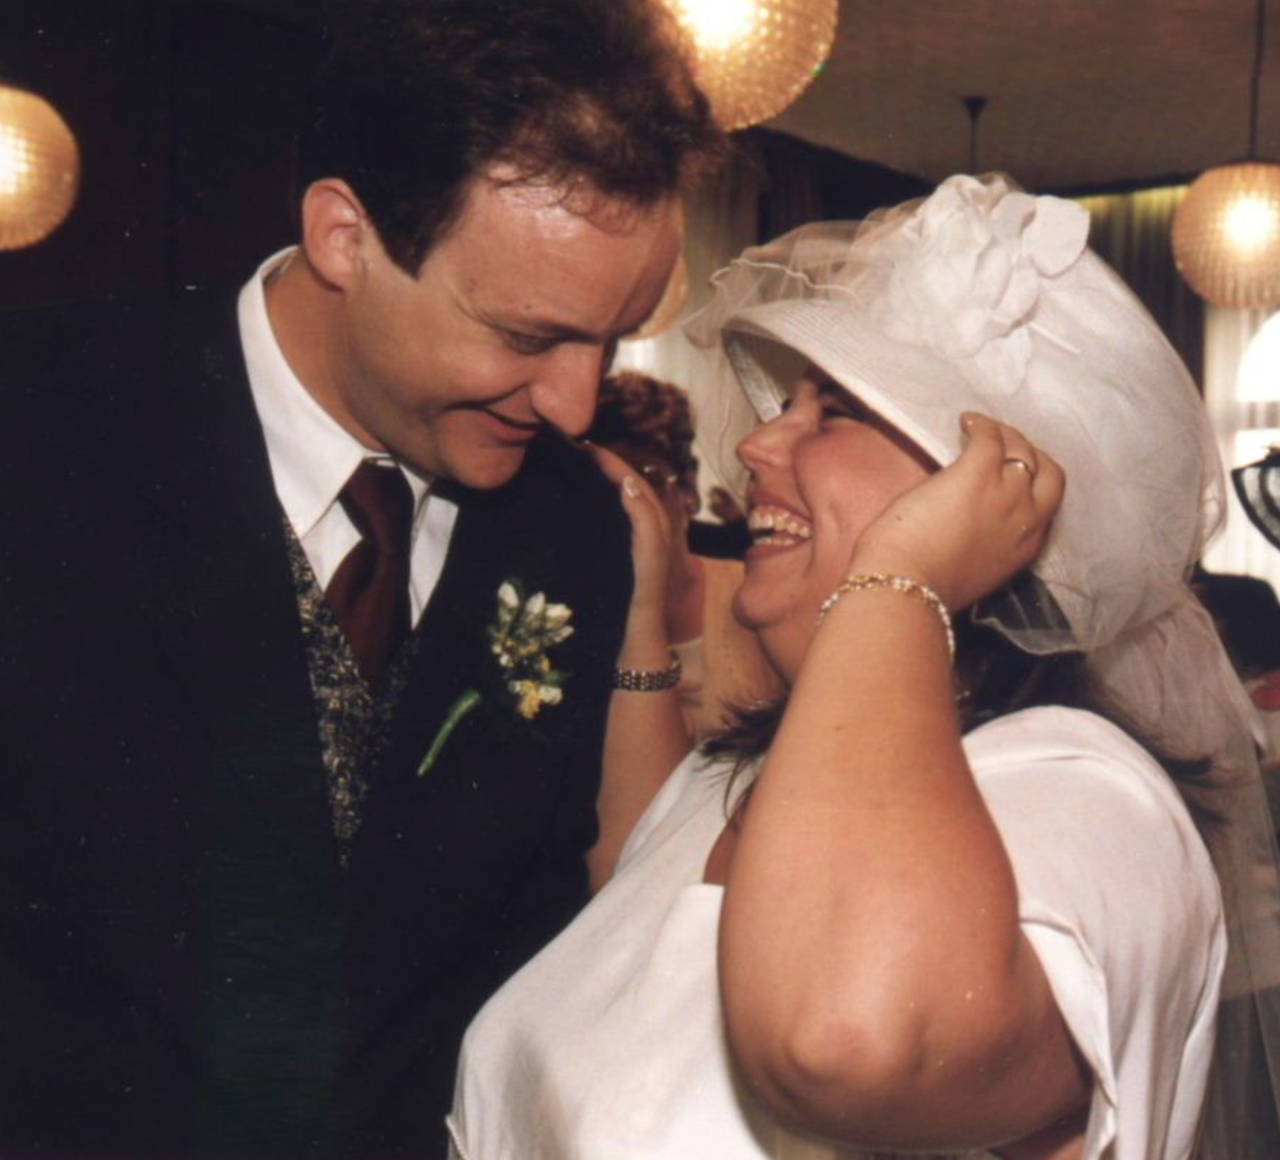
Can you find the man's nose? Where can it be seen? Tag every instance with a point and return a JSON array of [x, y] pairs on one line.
[[566, 391]]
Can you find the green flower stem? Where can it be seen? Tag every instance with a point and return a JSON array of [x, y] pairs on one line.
[[457, 711]]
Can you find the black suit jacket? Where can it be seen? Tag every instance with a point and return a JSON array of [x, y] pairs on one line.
[[184, 969]]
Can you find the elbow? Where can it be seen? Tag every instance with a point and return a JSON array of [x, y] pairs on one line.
[[861, 1075], [829, 1071]]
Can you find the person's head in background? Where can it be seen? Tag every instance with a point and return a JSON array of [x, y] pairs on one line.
[[648, 423], [488, 202]]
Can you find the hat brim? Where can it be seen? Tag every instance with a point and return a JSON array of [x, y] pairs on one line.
[[899, 382]]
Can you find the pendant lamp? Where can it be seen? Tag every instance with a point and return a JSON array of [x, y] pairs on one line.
[[754, 57], [39, 169], [1226, 231], [974, 106]]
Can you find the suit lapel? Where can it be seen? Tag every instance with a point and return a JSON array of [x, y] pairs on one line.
[[491, 543], [225, 606]]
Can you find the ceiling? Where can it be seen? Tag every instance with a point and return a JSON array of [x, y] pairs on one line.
[[1082, 93]]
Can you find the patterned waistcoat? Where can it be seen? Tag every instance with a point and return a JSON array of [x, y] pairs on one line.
[[354, 720]]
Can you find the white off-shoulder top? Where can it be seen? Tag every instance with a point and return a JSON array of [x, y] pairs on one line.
[[609, 1044]]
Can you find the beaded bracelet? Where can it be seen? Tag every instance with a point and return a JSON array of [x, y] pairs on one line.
[[864, 581], [649, 680]]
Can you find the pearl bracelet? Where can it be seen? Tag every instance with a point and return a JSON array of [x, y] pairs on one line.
[[865, 581], [649, 680]]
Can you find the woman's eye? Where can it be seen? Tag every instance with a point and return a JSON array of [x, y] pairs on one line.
[[843, 407]]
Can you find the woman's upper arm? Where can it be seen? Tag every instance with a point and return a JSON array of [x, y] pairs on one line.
[[1101, 946]]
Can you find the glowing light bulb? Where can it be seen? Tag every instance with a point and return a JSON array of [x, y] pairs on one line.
[[1250, 223], [716, 24], [754, 57], [39, 169], [14, 165], [1226, 235]]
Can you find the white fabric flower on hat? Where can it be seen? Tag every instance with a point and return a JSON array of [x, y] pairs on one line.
[[962, 274]]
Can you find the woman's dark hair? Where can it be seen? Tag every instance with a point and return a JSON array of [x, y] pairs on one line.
[[994, 678], [637, 411], [417, 97]]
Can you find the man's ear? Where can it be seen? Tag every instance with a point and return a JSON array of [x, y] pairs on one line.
[[336, 231]]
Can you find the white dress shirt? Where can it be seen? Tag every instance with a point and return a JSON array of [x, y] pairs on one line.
[[312, 457]]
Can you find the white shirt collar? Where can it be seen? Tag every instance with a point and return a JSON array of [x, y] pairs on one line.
[[312, 455]]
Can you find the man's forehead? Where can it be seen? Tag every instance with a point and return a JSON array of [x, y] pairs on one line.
[[520, 257], [575, 198]]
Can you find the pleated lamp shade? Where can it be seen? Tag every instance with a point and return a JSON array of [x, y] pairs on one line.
[[1226, 235], [39, 169], [754, 57]]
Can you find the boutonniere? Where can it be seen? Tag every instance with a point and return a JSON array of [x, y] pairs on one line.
[[519, 637]]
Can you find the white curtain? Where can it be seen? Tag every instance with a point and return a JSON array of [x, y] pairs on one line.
[[1243, 397], [720, 222]]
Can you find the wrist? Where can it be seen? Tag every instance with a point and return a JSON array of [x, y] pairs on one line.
[[885, 560], [646, 623], [649, 679], [900, 585]]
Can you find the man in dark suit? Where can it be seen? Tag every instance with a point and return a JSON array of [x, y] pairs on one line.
[[262, 851]]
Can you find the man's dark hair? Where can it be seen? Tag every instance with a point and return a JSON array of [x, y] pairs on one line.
[[416, 97]]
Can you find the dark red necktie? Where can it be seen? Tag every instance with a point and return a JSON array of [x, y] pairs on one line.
[[369, 593]]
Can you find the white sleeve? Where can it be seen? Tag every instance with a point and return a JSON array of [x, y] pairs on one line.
[[1119, 900]]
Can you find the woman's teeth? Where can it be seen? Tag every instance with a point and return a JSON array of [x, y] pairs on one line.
[[771, 525]]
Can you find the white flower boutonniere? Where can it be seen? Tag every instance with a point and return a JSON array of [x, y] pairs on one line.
[[519, 638]]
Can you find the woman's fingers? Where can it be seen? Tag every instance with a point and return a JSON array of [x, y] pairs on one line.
[[975, 524], [1020, 464], [1050, 483], [650, 525], [1001, 447], [1030, 475]]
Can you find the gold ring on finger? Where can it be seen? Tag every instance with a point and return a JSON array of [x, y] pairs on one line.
[[1018, 461]]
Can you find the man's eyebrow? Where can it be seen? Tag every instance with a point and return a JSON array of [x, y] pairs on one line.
[[543, 328]]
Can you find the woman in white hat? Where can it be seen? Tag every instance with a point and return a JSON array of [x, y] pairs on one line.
[[969, 902]]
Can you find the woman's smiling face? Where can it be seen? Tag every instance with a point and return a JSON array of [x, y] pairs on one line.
[[821, 472]]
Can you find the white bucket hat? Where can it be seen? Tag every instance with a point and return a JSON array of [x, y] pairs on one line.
[[984, 298]]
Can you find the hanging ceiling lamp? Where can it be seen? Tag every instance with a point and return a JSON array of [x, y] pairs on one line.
[[39, 169], [1226, 231], [754, 57]]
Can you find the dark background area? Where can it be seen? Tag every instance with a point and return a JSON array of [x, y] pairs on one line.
[[185, 113]]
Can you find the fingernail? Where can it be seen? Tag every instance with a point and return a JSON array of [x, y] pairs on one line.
[[966, 420], [629, 486]]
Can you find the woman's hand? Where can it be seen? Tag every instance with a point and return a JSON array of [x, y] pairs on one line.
[[645, 737], [651, 532], [973, 525]]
